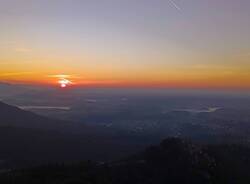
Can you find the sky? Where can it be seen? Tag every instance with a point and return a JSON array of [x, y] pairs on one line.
[[159, 43]]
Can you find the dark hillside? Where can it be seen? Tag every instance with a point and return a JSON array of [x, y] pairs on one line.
[[173, 161]]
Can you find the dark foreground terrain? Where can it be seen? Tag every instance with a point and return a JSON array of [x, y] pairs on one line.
[[173, 161], [36, 149]]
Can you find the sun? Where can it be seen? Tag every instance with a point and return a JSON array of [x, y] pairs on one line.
[[63, 85], [64, 82]]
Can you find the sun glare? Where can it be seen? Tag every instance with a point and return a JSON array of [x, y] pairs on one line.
[[64, 82]]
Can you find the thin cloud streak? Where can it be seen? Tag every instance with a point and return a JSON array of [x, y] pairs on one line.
[[64, 76], [14, 74], [175, 5]]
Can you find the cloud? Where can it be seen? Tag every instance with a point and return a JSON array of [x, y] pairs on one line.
[[60, 76], [63, 76], [12, 63], [9, 74]]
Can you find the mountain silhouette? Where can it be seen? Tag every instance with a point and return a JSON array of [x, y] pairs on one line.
[[173, 161], [28, 139]]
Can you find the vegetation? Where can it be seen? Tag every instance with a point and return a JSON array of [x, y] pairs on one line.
[[173, 161]]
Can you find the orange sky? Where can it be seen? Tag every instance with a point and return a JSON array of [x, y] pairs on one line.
[[200, 44]]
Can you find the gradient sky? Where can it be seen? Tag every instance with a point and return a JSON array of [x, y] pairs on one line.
[[158, 43]]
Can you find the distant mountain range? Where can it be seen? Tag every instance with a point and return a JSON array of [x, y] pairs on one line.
[[29, 139], [13, 116], [7, 89]]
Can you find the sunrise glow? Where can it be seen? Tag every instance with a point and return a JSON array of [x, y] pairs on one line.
[[64, 82], [181, 45]]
